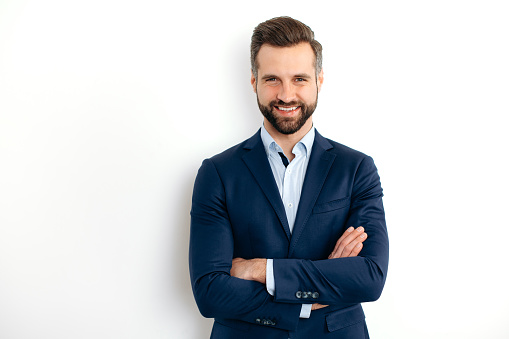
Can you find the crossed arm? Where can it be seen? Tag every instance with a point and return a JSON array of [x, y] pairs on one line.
[[348, 245], [229, 289]]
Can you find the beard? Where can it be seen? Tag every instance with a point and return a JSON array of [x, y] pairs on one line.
[[287, 125]]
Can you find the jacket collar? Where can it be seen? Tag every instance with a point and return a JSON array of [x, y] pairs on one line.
[[319, 165]]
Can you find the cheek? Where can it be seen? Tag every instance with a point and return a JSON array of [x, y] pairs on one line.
[[308, 94], [266, 94]]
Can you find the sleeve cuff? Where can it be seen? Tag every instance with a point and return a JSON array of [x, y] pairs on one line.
[[270, 285]]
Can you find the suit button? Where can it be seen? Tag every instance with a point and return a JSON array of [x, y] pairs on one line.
[[316, 295], [298, 294], [258, 321], [305, 295]]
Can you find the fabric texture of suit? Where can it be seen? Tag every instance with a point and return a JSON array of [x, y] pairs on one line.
[[237, 212]]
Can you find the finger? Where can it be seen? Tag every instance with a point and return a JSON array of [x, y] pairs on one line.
[[349, 244], [342, 242], [351, 247], [357, 249], [345, 234]]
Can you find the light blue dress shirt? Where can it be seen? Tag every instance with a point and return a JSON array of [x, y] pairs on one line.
[[289, 182]]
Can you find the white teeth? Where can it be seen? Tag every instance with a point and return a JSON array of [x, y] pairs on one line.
[[287, 109]]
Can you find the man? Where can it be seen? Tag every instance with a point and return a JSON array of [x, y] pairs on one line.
[[288, 232]]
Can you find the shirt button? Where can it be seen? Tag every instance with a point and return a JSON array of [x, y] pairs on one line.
[[290, 205], [289, 171]]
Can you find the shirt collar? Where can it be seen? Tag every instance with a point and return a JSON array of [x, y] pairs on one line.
[[269, 142]]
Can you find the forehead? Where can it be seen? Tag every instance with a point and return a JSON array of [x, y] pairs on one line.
[[281, 60]]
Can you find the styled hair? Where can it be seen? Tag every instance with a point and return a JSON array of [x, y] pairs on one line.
[[283, 32]]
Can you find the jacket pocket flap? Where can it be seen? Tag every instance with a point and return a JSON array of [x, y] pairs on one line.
[[331, 205], [344, 318]]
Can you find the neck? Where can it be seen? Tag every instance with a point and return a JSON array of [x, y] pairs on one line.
[[288, 141]]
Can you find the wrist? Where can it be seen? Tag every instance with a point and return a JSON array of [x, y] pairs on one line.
[[260, 270]]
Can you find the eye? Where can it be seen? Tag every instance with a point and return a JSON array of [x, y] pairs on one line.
[[300, 79], [272, 81]]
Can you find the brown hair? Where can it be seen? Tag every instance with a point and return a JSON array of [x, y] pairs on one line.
[[283, 32]]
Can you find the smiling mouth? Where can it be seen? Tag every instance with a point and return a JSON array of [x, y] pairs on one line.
[[287, 109]]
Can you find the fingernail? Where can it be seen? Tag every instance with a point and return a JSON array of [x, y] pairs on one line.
[[350, 229], [359, 245], [360, 229], [363, 235]]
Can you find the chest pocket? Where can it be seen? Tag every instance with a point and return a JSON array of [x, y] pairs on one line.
[[331, 205]]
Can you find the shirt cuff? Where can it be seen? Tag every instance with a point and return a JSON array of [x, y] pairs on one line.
[[270, 284], [305, 311]]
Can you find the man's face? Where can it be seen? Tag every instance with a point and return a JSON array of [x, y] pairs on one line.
[[287, 87]]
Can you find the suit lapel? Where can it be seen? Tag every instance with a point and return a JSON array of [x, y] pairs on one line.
[[318, 168], [258, 164]]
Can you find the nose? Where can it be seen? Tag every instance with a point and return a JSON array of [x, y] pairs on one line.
[[286, 92]]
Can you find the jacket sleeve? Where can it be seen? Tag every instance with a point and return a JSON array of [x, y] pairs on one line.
[[217, 294], [343, 280]]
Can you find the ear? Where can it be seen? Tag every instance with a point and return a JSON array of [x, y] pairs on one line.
[[253, 81], [319, 80]]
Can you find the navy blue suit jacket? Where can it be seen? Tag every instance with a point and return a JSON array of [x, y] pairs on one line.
[[237, 212]]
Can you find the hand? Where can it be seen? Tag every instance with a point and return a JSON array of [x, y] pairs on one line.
[[315, 307], [350, 243], [253, 269]]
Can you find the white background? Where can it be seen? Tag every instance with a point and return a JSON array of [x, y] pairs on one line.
[[107, 109]]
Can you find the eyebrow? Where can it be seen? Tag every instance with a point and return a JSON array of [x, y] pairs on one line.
[[302, 75], [306, 76], [269, 76]]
